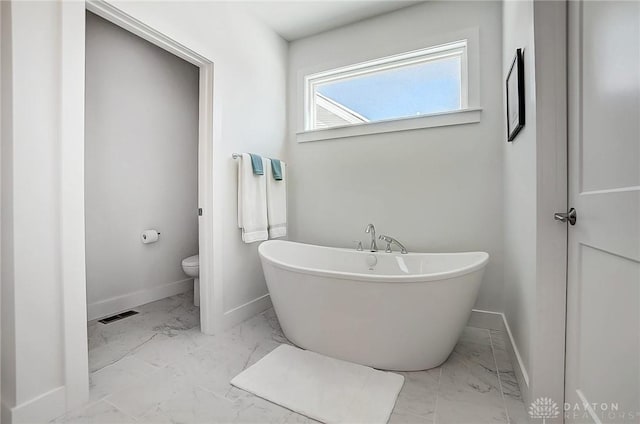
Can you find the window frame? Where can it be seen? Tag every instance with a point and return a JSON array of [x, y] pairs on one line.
[[458, 48]]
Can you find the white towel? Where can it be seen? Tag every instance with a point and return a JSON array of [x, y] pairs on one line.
[[276, 202], [252, 201]]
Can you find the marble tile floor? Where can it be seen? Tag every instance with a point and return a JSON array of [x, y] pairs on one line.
[[157, 367]]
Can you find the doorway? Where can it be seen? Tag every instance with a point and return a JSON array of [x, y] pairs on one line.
[[141, 170], [141, 196], [75, 343]]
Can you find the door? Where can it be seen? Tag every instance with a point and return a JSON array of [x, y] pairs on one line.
[[603, 291]]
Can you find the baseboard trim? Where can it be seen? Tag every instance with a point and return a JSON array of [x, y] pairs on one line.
[[486, 319], [120, 303], [498, 321], [41, 409], [245, 311], [5, 412], [518, 364]]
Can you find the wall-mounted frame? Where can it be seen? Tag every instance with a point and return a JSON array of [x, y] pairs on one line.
[[515, 96]]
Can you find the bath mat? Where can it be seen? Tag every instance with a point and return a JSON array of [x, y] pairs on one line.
[[322, 388]]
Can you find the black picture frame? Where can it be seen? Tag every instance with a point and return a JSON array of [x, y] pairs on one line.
[[515, 96]]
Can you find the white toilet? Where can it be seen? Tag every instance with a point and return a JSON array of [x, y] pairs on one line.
[[191, 267]]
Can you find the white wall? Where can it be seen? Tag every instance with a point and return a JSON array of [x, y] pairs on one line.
[[32, 344], [437, 189], [520, 175], [248, 115], [4, 135], [1, 107], [141, 168], [535, 186]]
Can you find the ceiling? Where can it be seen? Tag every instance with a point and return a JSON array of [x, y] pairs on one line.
[[297, 19]]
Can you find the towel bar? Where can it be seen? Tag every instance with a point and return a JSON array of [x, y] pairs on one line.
[[239, 155]]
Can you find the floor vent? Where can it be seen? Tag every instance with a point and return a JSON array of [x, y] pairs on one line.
[[117, 317]]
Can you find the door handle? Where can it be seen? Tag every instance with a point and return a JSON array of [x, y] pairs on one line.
[[569, 217]]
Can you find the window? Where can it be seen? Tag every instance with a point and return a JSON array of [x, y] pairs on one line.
[[414, 84]]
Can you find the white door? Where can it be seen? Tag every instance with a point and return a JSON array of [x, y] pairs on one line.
[[603, 293]]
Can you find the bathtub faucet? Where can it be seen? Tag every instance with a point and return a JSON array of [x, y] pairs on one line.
[[391, 240], [372, 230]]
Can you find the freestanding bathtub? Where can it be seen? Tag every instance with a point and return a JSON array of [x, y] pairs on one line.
[[386, 310]]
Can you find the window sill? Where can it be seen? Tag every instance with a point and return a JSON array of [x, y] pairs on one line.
[[458, 117]]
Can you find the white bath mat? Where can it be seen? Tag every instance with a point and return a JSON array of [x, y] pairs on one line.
[[322, 388]]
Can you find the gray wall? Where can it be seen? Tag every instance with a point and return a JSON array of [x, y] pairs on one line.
[[535, 187], [249, 115], [435, 189], [520, 198], [141, 168]]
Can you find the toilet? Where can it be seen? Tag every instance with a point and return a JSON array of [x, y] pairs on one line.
[[191, 267]]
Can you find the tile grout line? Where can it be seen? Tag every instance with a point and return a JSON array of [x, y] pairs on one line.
[[132, 353], [218, 395], [248, 396], [495, 361], [76, 411], [105, 400], [224, 398], [435, 407]]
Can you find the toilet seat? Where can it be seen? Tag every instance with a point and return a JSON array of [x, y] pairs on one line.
[[191, 267], [191, 261]]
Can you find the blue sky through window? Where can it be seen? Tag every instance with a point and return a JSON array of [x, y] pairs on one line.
[[402, 92]]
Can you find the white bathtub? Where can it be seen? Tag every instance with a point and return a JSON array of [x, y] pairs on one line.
[[405, 313]]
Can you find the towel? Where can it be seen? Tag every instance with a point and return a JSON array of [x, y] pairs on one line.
[[276, 169], [277, 202], [252, 202], [256, 164]]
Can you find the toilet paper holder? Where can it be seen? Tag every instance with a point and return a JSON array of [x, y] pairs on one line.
[[150, 236]]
